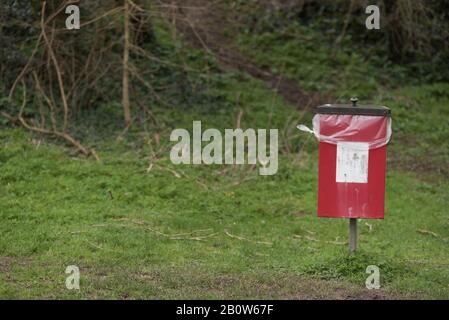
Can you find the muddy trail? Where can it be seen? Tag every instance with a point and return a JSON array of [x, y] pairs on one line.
[[208, 25]]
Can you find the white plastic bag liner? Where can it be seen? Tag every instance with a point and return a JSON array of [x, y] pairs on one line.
[[334, 128]]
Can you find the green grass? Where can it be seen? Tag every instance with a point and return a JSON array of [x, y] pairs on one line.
[[57, 211], [220, 231], [120, 225], [421, 130], [312, 58]]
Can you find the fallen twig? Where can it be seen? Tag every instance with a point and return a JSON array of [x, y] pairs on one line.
[[245, 239], [178, 236], [427, 232], [20, 120], [311, 239], [370, 226], [337, 242], [197, 238]]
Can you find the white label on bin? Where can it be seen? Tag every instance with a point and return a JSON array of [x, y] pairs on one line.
[[352, 162]]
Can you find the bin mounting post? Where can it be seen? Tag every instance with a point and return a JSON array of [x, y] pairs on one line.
[[353, 221], [352, 234]]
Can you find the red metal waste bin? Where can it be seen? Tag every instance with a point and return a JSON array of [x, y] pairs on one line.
[[352, 160]]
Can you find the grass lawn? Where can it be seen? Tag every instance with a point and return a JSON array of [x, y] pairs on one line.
[[139, 227]]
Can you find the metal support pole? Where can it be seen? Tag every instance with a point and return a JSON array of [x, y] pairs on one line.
[[353, 221], [352, 234]]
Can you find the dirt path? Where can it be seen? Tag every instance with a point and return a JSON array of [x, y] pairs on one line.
[[207, 25], [194, 283]]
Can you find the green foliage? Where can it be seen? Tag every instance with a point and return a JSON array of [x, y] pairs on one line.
[[319, 67], [348, 267], [15, 31], [412, 39]]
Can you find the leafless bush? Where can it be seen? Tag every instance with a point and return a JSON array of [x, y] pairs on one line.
[[63, 71]]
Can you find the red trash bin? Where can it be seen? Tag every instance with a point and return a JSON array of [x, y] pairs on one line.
[[352, 160]]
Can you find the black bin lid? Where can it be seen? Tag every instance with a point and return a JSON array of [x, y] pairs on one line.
[[354, 109]]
